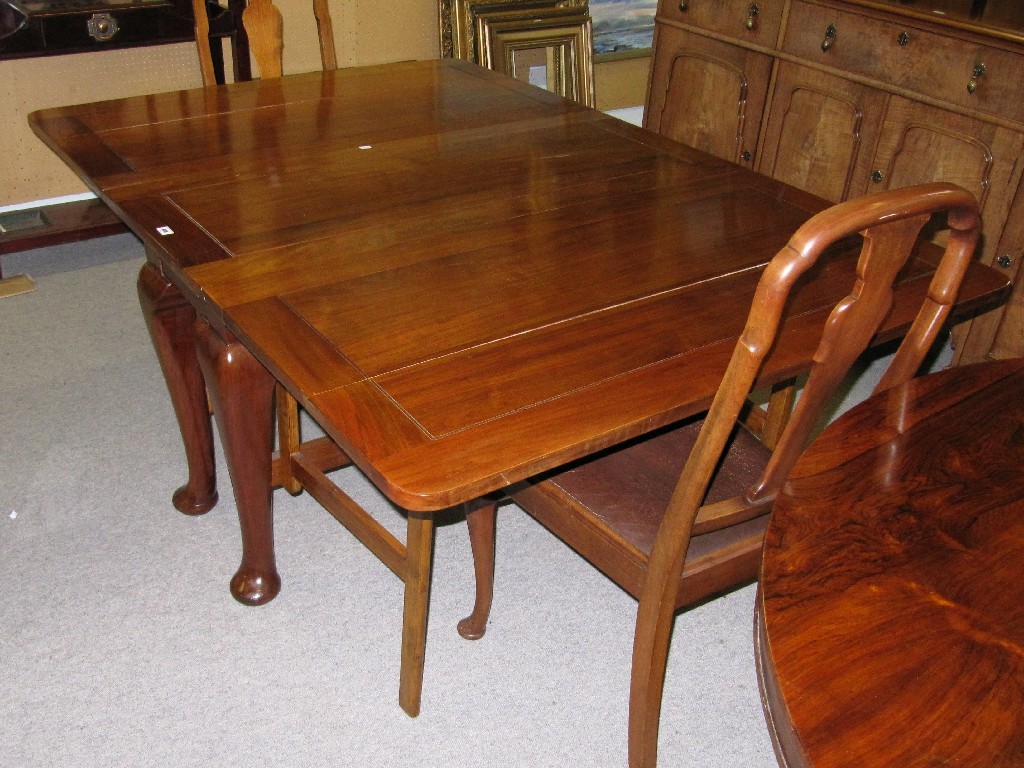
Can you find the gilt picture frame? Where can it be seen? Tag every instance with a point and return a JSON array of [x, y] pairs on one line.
[[551, 49]]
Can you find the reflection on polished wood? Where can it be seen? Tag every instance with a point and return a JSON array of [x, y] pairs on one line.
[[464, 279], [264, 27], [890, 625]]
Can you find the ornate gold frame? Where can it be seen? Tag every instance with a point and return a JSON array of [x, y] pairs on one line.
[[564, 36], [493, 33]]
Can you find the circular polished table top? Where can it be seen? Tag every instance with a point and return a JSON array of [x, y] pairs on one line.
[[890, 624]]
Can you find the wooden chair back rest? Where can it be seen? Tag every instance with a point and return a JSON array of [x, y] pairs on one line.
[[264, 27], [890, 223]]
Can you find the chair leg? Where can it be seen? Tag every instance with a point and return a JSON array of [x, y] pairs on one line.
[[480, 517], [419, 556], [650, 656], [780, 407]]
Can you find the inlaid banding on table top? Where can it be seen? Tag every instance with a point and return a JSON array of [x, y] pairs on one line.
[[351, 246], [457, 391], [70, 134], [387, 320], [444, 387], [273, 116], [486, 455], [431, 85], [540, 165]]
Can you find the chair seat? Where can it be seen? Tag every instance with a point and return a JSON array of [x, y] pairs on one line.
[[630, 486], [618, 500]]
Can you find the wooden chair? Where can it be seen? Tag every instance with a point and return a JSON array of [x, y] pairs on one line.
[[651, 528], [264, 27]]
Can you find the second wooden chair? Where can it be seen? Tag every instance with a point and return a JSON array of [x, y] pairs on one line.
[[264, 28], [641, 512]]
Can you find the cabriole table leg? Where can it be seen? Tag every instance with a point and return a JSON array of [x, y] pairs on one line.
[[242, 391], [170, 320]]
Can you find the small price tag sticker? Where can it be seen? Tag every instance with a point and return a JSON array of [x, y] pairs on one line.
[[165, 231]]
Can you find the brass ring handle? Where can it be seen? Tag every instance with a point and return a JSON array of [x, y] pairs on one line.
[[877, 176], [903, 38], [976, 73], [752, 16], [684, 6], [830, 36]]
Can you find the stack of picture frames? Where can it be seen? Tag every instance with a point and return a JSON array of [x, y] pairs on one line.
[[544, 42]]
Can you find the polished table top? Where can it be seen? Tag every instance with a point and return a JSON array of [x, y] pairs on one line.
[[890, 622], [466, 280]]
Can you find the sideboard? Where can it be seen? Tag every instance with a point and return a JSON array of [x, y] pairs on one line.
[[845, 97]]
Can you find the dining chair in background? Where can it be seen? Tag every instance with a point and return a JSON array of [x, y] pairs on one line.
[[264, 27], [642, 513]]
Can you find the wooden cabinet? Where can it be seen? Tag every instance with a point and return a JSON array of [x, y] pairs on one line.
[[709, 94], [845, 98]]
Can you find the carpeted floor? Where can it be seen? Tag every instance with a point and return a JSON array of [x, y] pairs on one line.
[[120, 644]]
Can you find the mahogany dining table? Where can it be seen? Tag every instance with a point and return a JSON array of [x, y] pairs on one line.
[[890, 627], [464, 279]]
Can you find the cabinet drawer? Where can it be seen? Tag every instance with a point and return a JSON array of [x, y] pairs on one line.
[[909, 57], [753, 21]]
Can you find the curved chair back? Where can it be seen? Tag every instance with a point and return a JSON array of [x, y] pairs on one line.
[[264, 28]]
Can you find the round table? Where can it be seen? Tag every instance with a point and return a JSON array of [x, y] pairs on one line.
[[890, 624]]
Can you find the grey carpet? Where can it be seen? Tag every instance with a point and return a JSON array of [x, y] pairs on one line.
[[120, 644]]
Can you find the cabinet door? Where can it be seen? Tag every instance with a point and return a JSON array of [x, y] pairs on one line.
[[707, 94], [920, 144], [821, 132]]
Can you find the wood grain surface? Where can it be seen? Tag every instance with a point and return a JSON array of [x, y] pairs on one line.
[[890, 625]]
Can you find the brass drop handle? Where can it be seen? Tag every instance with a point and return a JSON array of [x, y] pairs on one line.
[[746, 156], [903, 38], [752, 16], [830, 36], [972, 84], [1004, 261], [877, 176], [684, 6]]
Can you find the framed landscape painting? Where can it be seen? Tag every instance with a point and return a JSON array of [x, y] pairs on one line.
[[622, 28]]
